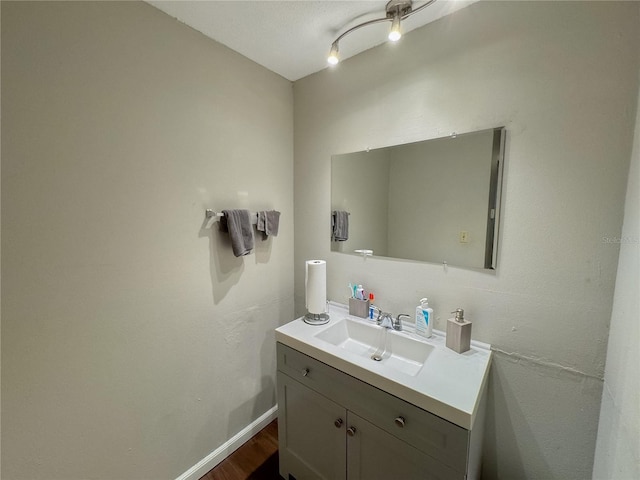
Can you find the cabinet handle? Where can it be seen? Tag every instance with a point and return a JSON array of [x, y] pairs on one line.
[[400, 422], [351, 431], [305, 372], [338, 422]]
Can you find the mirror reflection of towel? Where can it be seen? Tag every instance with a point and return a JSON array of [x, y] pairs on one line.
[[238, 223], [340, 226]]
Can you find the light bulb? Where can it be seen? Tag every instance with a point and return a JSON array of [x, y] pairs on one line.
[[333, 58], [395, 33]]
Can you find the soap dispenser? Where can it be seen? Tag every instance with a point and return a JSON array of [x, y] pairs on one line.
[[424, 319], [458, 332]]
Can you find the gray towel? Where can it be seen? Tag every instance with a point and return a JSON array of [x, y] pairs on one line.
[[238, 223], [340, 226], [269, 222]]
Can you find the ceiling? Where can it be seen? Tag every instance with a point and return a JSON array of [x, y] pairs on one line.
[[293, 37]]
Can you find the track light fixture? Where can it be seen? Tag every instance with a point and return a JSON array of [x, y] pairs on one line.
[[333, 54], [395, 33], [396, 11]]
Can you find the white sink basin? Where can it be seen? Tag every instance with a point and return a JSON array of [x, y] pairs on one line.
[[421, 371], [378, 344]]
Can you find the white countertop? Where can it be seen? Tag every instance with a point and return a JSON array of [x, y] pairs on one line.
[[449, 384]]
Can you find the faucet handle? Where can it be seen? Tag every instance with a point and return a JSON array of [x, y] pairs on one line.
[[397, 324]]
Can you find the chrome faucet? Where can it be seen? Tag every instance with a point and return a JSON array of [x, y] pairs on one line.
[[386, 320]]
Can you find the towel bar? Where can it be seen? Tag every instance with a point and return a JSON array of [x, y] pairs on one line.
[[213, 217]]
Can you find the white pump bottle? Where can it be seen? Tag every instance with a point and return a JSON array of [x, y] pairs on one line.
[[424, 319]]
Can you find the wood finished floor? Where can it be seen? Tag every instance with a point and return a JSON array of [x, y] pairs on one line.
[[255, 460]]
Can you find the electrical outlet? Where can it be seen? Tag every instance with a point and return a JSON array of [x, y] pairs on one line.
[[463, 236]]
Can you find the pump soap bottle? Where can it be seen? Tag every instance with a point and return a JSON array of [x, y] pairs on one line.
[[458, 332], [424, 319]]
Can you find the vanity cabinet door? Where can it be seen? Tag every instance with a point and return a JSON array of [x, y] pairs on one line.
[[374, 454], [311, 433]]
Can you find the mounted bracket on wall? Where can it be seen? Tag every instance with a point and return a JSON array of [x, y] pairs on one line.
[[364, 252]]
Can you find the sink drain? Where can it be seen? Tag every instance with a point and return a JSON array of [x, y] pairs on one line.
[[375, 357]]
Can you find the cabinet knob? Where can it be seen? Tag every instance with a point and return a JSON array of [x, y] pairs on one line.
[[305, 372], [338, 422], [400, 422], [351, 431]]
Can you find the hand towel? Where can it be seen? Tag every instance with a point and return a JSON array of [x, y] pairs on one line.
[[269, 222], [340, 226], [238, 223]]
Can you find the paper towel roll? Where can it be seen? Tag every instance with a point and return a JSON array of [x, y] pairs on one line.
[[315, 284]]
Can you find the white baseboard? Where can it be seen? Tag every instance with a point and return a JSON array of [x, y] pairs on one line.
[[230, 446]]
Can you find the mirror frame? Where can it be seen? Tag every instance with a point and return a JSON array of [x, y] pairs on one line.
[[495, 198]]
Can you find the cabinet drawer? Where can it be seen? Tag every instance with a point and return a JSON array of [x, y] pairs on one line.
[[426, 432], [310, 372], [423, 430]]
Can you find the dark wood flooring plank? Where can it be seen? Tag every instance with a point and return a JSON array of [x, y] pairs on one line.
[[257, 459]]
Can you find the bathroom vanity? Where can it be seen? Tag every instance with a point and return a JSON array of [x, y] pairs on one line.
[[416, 414]]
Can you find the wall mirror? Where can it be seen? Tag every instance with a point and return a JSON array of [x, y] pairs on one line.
[[432, 201]]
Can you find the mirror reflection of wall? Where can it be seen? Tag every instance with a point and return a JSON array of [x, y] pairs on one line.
[[427, 201], [360, 186]]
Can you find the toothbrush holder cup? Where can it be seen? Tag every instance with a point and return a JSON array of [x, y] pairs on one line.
[[359, 308]]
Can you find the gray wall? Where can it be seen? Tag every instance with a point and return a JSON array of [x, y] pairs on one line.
[[133, 342], [618, 446], [563, 78]]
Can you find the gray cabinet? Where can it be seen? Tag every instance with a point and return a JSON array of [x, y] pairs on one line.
[[333, 426], [311, 433], [374, 454]]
